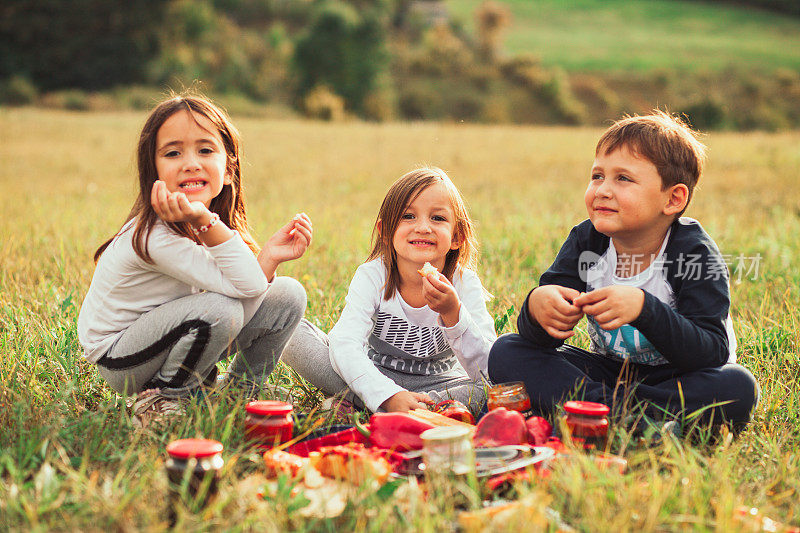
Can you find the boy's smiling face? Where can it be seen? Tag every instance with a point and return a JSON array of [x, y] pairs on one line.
[[625, 199]]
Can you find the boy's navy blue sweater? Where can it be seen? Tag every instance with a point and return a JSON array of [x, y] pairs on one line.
[[692, 335]]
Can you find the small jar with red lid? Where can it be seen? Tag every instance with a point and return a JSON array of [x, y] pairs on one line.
[[268, 423], [587, 424], [513, 396], [194, 466]]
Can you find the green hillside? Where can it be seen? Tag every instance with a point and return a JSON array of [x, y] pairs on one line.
[[643, 35]]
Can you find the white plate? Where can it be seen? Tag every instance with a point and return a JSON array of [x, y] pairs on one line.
[[492, 461], [501, 459]]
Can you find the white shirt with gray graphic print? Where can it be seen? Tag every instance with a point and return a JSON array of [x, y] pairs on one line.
[[390, 333]]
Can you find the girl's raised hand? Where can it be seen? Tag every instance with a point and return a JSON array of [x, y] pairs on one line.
[[288, 243], [441, 296], [174, 206]]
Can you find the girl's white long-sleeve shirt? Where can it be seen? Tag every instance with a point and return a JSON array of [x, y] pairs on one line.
[[390, 333], [125, 286]]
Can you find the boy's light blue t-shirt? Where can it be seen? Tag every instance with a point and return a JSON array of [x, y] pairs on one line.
[[627, 342]]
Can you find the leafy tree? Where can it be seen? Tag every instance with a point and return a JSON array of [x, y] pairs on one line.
[[344, 49], [88, 44]]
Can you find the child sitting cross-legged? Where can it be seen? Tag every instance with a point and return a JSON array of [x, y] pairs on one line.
[[652, 285], [408, 335]]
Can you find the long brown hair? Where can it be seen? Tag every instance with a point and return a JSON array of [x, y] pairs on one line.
[[228, 204], [400, 195]]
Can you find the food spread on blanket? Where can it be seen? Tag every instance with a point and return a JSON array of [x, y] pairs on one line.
[[504, 448]]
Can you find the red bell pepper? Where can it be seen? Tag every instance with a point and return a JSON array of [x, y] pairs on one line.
[[556, 444], [539, 430], [455, 410], [500, 427], [507, 480], [394, 431]]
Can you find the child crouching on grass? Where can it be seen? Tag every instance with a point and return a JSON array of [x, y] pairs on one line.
[[653, 286], [404, 339], [182, 284]]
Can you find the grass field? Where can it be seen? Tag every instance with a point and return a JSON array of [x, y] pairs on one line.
[[643, 35], [69, 459]]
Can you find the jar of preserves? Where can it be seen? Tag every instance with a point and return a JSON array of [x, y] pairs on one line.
[[193, 469], [268, 423], [448, 463], [587, 424], [513, 396], [448, 449]]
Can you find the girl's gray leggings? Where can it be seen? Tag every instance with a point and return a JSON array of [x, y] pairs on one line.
[[175, 347]]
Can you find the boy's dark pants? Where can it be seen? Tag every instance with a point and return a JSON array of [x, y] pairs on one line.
[[552, 375]]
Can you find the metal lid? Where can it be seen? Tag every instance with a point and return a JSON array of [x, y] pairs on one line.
[[445, 433], [268, 408], [586, 408], [511, 387], [198, 448]]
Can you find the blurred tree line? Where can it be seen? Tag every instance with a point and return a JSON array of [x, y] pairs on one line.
[[88, 44], [259, 48], [378, 59], [790, 7]]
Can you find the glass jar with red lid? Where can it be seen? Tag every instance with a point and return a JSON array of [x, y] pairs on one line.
[[193, 468], [513, 396], [587, 424], [268, 423]]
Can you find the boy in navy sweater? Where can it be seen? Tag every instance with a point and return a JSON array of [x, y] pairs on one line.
[[653, 286]]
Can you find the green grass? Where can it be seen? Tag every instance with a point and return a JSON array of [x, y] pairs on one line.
[[69, 459], [646, 35]]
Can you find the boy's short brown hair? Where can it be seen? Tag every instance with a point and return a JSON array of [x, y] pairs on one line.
[[665, 140]]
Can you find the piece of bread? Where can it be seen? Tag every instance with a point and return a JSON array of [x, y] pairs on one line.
[[426, 269], [352, 462], [438, 420], [278, 462]]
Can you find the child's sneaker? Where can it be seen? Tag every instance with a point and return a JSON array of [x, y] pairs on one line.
[[151, 407], [339, 408], [279, 393], [654, 433]]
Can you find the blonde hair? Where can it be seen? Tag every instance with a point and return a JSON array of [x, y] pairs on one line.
[[404, 191], [663, 139]]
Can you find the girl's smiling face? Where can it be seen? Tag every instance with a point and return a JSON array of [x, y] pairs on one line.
[[190, 157], [425, 231]]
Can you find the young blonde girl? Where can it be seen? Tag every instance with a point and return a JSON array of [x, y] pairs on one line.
[[403, 339], [182, 284]]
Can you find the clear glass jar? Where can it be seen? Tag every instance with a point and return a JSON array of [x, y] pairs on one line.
[[268, 423], [587, 424], [448, 449], [196, 462], [513, 396]]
